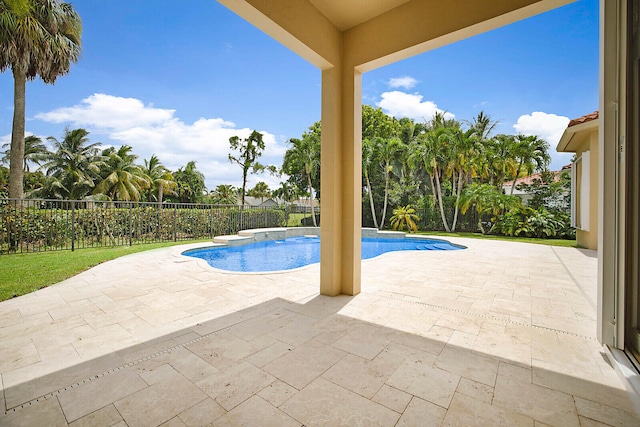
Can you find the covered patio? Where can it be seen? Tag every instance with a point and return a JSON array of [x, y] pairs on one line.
[[499, 333]]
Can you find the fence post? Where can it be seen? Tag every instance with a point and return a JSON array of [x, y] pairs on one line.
[[130, 223], [73, 226], [211, 222], [175, 216]]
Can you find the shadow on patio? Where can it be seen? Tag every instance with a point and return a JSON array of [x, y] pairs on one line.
[[328, 361]]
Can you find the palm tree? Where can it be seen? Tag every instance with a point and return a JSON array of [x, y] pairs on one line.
[[225, 194], [368, 154], [122, 178], [260, 191], [286, 192], [37, 38], [34, 151], [304, 154], [160, 179], [73, 165], [191, 186], [404, 216], [387, 151], [429, 150], [499, 160], [532, 154]]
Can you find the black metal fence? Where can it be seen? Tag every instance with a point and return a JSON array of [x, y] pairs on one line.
[[36, 225]]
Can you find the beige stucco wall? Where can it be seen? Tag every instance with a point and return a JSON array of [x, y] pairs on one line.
[[589, 239]]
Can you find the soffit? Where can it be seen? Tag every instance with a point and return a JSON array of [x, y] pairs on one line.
[[345, 14]]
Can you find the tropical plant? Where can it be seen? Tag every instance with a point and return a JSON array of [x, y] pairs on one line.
[[368, 153], [404, 217], [286, 191], [72, 166], [303, 159], [121, 179], [160, 179], [260, 191], [190, 183], [532, 154], [387, 152], [37, 38], [34, 152], [225, 194], [486, 198]]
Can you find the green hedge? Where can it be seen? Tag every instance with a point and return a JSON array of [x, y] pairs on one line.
[[39, 228]]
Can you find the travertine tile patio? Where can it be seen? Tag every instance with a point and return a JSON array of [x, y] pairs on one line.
[[498, 334]]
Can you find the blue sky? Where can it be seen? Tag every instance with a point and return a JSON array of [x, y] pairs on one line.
[[178, 81]]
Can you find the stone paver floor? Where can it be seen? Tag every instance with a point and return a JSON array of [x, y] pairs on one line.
[[498, 334]]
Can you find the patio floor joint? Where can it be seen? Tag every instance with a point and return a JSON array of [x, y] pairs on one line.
[[485, 316], [132, 363]]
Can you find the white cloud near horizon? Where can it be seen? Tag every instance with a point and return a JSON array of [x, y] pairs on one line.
[[549, 127], [405, 82], [411, 105], [152, 130]]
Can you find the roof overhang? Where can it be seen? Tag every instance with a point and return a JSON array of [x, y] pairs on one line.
[[373, 33], [573, 136]]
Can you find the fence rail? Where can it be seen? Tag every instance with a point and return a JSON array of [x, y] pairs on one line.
[[37, 225]]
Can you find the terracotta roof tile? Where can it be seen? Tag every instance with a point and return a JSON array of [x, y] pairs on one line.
[[531, 178], [584, 119]]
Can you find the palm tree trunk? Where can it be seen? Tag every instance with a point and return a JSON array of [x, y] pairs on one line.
[[313, 213], [373, 209], [439, 190], [160, 194], [513, 185], [455, 213], [386, 198], [433, 190], [16, 171]]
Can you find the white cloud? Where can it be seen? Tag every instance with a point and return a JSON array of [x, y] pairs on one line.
[[152, 130], [401, 104], [548, 127], [405, 82]]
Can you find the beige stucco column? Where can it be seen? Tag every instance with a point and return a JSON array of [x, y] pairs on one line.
[[340, 181]]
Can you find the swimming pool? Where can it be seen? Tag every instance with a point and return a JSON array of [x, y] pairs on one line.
[[295, 252]]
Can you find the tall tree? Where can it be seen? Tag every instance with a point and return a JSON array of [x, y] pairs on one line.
[[225, 194], [286, 191], [387, 151], [249, 150], [121, 179], [190, 182], [160, 179], [37, 38], [260, 191], [532, 154], [73, 165], [368, 157], [34, 152], [303, 159]]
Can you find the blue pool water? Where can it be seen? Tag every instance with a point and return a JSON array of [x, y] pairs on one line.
[[294, 252]]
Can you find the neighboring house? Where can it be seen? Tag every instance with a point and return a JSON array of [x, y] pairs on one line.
[[581, 137], [528, 180], [256, 202], [304, 205]]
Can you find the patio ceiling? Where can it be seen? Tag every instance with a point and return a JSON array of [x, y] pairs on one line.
[[379, 32]]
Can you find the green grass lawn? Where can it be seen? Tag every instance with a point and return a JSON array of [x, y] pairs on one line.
[[550, 242], [295, 218], [21, 274]]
